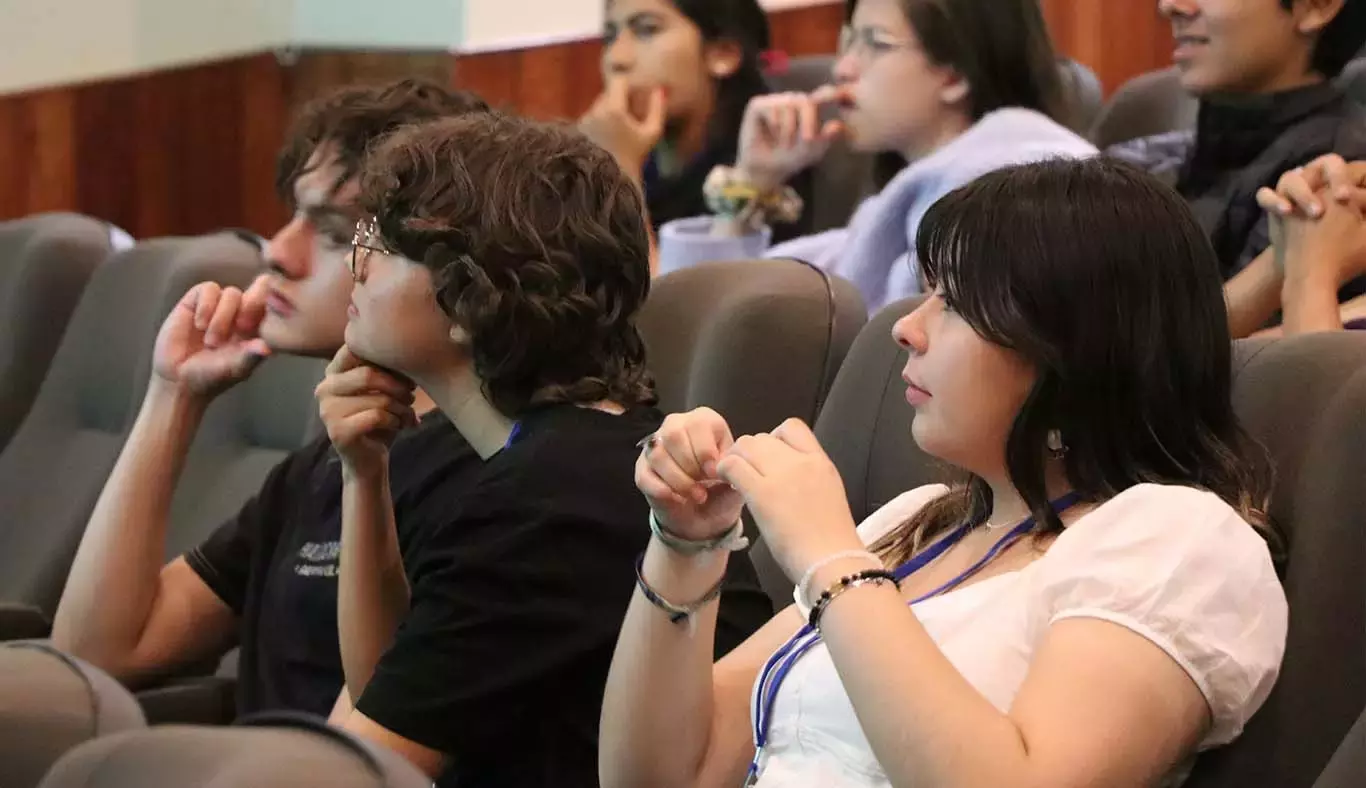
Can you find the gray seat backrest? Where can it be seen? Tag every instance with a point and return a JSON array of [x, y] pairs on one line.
[[866, 424], [246, 432], [49, 704], [237, 757], [53, 469], [1353, 80], [1304, 398], [1348, 767], [1082, 93], [1148, 104], [759, 341], [45, 263]]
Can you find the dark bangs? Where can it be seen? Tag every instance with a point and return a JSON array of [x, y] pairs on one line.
[[965, 244]]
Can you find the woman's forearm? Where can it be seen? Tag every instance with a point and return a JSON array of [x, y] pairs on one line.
[[927, 725], [657, 710], [372, 590]]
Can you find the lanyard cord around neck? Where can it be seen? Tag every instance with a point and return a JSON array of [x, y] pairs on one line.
[[780, 664]]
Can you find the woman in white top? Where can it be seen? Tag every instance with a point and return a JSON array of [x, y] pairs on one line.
[[1093, 606]]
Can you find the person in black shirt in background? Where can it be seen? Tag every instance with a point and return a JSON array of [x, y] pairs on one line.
[[501, 272], [266, 579], [1264, 72]]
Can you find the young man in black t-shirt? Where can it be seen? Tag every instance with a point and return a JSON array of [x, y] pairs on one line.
[[502, 273], [267, 578]]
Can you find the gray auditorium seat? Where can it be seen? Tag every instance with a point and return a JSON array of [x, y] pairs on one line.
[[1348, 767], [292, 754], [1148, 104], [757, 340], [49, 704], [1354, 79], [55, 466], [45, 262], [866, 424], [1305, 399], [1083, 93]]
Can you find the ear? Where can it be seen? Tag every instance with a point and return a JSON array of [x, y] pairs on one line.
[[955, 91], [723, 58], [1312, 16]]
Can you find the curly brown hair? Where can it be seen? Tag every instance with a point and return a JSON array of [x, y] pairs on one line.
[[539, 247], [353, 118]]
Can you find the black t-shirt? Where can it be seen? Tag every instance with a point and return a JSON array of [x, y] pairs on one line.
[[518, 595], [275, 564]]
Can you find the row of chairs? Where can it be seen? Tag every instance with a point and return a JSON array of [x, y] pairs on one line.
[[759, 341], [764, 340]]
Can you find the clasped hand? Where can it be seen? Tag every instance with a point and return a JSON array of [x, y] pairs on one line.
[[697, 477], [364, 408]]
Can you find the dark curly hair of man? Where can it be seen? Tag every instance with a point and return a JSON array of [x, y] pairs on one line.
[[350, 120], [539, 249]]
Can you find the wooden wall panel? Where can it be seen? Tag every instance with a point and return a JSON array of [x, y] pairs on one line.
[[193, 149], [1118, 39]]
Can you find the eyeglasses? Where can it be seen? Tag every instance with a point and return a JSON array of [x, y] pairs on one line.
[[867, 40], [367, 238]]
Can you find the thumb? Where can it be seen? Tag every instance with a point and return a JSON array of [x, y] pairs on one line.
[[253, 353]]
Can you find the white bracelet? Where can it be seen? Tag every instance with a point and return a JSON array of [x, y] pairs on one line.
[[802, 598]]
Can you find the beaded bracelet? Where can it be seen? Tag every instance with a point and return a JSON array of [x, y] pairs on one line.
[[729, 195], [866, 577], [677, 613]]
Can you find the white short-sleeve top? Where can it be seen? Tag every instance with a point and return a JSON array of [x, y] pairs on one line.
[[1175, 565]]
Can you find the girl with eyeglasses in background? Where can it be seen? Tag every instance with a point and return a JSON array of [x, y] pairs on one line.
[[957, 88]]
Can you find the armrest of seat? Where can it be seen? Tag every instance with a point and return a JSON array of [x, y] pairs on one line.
[[200, 700], [22, 622]]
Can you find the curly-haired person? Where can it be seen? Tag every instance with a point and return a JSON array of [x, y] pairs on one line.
[[500, 268]]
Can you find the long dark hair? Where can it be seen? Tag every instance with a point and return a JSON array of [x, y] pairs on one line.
[[1101, 278], [744, 23], [1001, 47]]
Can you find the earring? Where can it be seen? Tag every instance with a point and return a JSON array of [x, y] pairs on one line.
[[1056, 448], [458, 335]]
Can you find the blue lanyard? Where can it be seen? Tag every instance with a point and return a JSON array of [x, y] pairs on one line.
[[512, 436], [780, 664]]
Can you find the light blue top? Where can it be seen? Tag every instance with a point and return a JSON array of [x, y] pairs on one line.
[[874, 251]]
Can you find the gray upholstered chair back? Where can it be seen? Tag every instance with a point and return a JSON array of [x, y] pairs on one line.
[[759, 341], [297, 754], [1148, 104], [49, 704], [45, 263], [54, 467], [1304, 398]]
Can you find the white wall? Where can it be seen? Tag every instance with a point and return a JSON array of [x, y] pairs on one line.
[[492, 25], [378, 24], [56, 42]]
